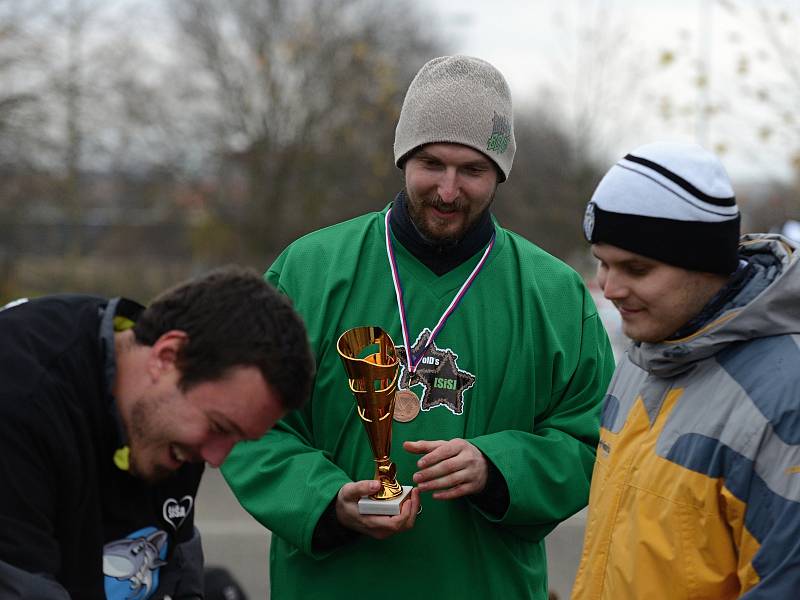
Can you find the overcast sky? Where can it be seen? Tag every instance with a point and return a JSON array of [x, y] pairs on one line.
[[535, 44]]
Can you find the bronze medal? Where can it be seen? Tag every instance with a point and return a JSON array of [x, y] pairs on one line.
[[406, 406]]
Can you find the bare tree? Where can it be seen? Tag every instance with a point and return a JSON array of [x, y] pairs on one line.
[[747, 84], [300, 100], [552, 181], [766, 74], [20, 55], [593, 78], [20, 111]]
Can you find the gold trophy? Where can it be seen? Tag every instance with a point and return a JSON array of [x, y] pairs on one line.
[[373, 381]]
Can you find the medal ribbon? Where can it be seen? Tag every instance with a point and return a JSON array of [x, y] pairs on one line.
[[412, 362]]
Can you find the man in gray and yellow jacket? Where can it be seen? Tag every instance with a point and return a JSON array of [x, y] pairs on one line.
[[696, 485]]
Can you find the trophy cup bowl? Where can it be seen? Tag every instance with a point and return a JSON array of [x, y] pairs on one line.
[[373, 382]]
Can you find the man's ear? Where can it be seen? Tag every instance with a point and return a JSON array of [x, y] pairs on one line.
[[164, 353]]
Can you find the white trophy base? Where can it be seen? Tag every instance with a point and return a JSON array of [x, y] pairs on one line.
[[368, 506]]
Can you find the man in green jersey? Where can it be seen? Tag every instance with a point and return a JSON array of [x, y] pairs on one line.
[[504, 364]]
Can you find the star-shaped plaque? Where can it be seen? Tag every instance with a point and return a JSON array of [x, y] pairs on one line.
[[443, 382]]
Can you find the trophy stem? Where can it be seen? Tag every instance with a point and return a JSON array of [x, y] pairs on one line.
[[372, 377], [385, 472]]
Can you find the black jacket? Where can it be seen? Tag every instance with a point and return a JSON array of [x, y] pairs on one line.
[[62, 498]]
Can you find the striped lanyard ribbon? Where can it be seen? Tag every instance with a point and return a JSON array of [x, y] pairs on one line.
[[413, 362]]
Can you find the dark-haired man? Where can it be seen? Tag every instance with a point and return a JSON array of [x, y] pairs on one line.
[[696, 485], [108, 412], [504, 364]]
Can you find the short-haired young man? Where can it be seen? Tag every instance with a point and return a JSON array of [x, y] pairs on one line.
[[108, 412], [696, 486]]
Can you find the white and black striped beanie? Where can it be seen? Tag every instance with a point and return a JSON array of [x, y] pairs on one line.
[[669, 201], [461, 100]]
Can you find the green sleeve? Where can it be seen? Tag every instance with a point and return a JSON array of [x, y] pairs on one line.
[[282, 479], [303, 480], [548, 471]]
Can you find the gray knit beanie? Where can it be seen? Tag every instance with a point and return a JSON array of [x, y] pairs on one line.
[[458, 99], [670, 201]]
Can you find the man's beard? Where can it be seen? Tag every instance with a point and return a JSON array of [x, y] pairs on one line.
[[415, 216], [140, 436]]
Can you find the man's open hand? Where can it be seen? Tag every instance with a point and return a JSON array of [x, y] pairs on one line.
[[451, 469]]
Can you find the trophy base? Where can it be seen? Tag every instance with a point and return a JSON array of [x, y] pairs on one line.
[[368, 506]]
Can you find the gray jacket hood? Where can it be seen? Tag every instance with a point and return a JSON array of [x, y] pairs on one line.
[[769, 304]]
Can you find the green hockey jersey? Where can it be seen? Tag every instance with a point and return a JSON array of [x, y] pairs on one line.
[[519, 370]]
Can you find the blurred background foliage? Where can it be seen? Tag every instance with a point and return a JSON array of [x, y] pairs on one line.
[[144, 141], [741, 67]]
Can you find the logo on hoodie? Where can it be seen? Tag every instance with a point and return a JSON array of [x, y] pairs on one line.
[[175, 511], [131, 565]]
